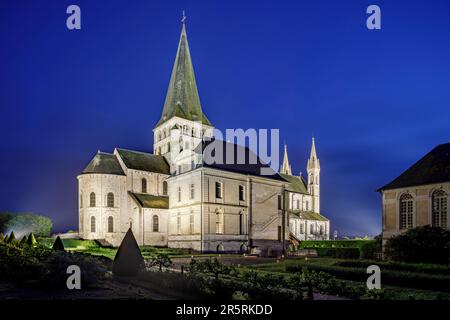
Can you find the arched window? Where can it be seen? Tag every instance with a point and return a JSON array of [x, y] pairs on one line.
[[165, 190], [179, 194], [191, 223], [81, 200], [439, 212], [92, 199], [110, 224], [159, 136], [219, 222], [144, 185], [155, 223], [321, 230], [301, 228], [92, 224], [110, 200], [406, 211], [311, 229]]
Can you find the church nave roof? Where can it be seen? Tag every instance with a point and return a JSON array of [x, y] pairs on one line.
[[105, 163], [137, 160]]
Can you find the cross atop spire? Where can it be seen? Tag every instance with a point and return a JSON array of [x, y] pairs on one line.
[[183, 18]]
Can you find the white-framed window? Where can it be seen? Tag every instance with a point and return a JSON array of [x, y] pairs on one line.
[[178, 223], [179, 194], [406, 211], [439, 209], [241, 223], [191, 223], [298, 204], [81, 200], [301, 228], [219, 222], [144, 185]]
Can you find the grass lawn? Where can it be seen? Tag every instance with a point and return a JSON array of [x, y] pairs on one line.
[[329, 265], [91, 247]]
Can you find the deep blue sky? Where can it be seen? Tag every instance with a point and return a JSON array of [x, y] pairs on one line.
[[375, 100]]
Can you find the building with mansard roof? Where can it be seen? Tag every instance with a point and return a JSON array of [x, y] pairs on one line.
[[175, 198]]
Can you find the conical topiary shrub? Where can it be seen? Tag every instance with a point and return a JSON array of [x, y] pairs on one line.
[[12, 237], [23, 241], [58, 244], [31, 241], [128, 260], [2, 237]]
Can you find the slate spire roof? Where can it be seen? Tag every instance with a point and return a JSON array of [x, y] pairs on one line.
[[434, 167], [182, 98]]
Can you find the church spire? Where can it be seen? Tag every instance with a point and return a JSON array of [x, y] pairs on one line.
[[182, 98], [313, 160], [286, 167]]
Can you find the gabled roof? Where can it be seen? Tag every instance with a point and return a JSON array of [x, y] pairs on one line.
[[150, 201], [247, 167], [434, 167], [182, 98], [144, 161], [104, 163], [308, 215], [296, 184]]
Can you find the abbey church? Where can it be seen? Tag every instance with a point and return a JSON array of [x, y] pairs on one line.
[[175, 198]]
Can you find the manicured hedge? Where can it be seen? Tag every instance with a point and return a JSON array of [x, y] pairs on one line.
[[333, 243], [341, 253], [397, 266], [398, 278]]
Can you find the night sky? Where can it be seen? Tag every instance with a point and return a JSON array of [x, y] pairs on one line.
[[376, 101]]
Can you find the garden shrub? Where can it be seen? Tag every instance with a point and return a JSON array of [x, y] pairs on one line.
[[422, 244], [397, 266]]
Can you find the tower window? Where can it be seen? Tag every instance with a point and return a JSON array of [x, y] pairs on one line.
[[280, 206], [144, 185], [110, 224], [92, 224], [110, 200], [165, 189], [92, 199]]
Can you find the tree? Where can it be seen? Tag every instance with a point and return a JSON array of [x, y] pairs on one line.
[[28, 222], [2, 237], [128, 261], [31, 241], [12, 237], [421, 244], [58, 245]]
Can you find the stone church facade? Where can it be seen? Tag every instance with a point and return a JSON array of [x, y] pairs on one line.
[[175, 198]]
